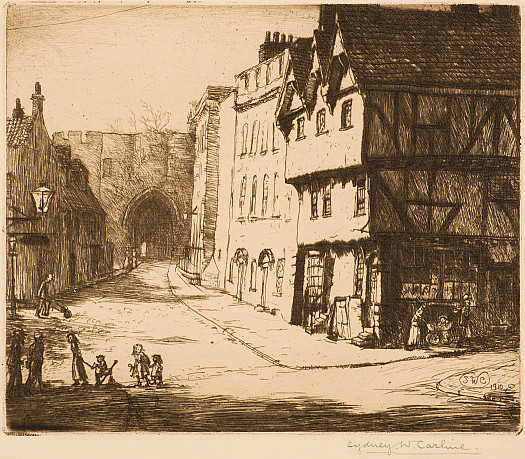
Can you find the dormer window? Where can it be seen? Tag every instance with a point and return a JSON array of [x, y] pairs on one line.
[[346, 115], [300, 128]]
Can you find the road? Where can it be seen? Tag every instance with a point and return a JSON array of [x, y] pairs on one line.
[[215, 384]]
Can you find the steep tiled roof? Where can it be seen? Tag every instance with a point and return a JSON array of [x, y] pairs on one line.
[[84, 200], [18, 130], [301, 59], [323, 44], [431, 48]]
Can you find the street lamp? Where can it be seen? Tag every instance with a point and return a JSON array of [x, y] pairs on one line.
[[42, 198]]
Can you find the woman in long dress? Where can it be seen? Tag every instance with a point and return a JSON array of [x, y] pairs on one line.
[[414, 339], [78, 371]]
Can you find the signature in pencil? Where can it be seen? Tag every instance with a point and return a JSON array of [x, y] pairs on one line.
[[412, 447]]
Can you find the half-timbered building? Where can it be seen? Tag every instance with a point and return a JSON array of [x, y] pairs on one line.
[[440, 151]]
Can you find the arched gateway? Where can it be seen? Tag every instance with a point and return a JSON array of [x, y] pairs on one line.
[[151, 221]]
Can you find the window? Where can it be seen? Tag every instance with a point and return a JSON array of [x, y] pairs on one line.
[[264, 207], [275, 144], [242, 194], [360, 199], [257, 77], [255, 137], [359, 273], [313, 202], [281, 65], [253, 276], [279, 276], [327, 200], [504, 187], [300, 128], [268, 74], [264, 137], [219, 255], [246, 82], [106, 167], [253, 200], [346, 115], [244, 146], [321, 121], [275, 193]]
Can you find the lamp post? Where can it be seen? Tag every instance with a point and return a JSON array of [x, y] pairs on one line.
[[41, 198]]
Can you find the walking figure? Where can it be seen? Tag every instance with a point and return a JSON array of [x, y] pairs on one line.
[[35, 360], [465, 331], [156, 370], [44, 297], [14, 365], [414, 340], [140, 368], [78, 371]]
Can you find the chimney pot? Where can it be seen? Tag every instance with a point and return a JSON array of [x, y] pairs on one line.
[[18, 112], [276, 37], [290, 38], [268, 36], [283, 38], [38, 88]]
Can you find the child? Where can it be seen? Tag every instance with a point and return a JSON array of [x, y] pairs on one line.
[[156, 370], [102, 371]]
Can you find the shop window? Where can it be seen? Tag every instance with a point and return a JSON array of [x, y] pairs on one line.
[[313, 202], [264, 206], [327, 200], [346, 114], [300, 128], [253, 199], [360, 199], [314, 282], [359, 274], [253, 276], [321, 121], [242, 194]]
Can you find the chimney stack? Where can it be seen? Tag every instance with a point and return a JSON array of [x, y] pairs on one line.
[[38, 100], [18, 111], [272, 47]]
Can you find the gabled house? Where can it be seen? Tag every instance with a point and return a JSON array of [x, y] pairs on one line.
[[42, 243], [418, 110]]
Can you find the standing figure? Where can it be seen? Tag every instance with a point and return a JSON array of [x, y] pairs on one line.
[[35, 360], [102, 371], [44, 296], [140, 368], [465, 331], [156, 370], [414, 340], [14, 365], [78, 371]]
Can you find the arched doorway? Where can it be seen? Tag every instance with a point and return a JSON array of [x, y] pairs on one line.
[[241, 260], [266, 262], [150, 220]]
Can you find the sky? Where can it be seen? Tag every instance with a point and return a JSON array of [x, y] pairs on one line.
[[97, 63]]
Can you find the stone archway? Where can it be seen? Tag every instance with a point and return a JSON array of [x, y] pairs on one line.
[[151, 222]]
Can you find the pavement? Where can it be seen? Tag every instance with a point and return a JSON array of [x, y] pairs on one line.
[[276, 341]]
